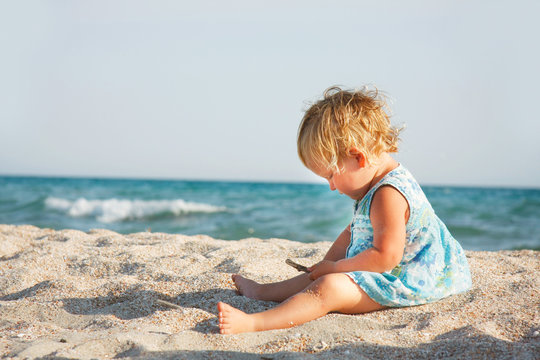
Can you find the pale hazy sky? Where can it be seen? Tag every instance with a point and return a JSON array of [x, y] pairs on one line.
[[216, 89]]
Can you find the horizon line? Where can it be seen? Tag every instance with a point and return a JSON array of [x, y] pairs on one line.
[[246, 181]]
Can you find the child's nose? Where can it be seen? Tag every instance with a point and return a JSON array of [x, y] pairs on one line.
[[331, 184]]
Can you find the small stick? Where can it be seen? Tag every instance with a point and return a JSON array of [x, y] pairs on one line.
[[168, 304], [296, 266]]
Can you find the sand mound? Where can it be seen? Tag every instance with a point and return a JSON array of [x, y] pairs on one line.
[[71, 294]]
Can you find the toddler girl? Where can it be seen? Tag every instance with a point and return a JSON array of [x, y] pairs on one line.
[[395, 252]]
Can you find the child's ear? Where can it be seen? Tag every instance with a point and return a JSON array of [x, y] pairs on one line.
[[359, 156]]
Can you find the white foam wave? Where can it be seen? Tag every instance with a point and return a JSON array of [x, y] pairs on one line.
[[111, 210]]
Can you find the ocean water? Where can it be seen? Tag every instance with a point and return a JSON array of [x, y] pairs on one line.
[[480, 218]]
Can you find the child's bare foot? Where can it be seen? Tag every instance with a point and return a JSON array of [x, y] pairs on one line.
[[234, 321], [247, 287]]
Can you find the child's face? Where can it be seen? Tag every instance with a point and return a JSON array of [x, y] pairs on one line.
[[351, 180]]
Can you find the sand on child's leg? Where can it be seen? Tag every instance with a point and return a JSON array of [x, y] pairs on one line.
[[332, 292]]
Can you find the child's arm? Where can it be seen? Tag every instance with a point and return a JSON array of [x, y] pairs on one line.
[[389, 215], [339, 247]]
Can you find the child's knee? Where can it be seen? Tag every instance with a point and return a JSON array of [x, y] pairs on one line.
[[330, 284]]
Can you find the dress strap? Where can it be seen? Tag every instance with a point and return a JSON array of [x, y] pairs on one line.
[[363, 206]]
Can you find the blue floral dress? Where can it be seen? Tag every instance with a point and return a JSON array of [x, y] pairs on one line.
[[433, 265]]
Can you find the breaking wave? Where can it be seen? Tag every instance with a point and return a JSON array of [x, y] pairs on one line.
[[113, 210]]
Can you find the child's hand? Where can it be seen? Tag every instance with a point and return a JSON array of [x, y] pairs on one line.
[[322, 268]]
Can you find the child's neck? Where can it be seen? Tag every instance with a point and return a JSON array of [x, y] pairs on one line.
[[382, 166]]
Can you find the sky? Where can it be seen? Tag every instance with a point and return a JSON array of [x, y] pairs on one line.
[[215, 90]]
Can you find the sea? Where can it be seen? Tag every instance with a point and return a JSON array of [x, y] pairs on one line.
[[479, 218]]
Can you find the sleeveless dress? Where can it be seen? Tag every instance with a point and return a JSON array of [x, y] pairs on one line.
[[434, 264]]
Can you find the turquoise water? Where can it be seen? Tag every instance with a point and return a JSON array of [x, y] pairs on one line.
[[480, 218]]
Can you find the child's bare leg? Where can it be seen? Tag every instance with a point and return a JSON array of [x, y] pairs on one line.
[[282, 290], [332, 292], [278, 291]]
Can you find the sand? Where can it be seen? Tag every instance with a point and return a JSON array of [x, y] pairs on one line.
[[70, 294]]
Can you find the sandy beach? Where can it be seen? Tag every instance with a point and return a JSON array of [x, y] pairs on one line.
[[70, 294]]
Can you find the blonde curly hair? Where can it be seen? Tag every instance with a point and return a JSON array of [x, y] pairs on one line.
[[344, 119]]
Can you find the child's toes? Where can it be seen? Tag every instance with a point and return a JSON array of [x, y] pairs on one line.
[[224, 328], [232, 320], [223, 312], [222, 308]]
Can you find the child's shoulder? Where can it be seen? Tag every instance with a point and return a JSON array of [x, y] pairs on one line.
[[402, 179], [388, 204], [404, 182]]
